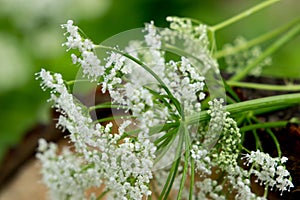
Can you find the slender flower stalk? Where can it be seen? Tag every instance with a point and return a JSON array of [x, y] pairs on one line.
[[251, 105], [259, 86], [256, 41], [244, 14]]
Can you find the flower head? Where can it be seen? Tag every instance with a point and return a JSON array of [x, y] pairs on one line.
[[269, 171]]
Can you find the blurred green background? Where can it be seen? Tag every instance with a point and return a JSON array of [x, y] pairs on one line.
[[31, 38]]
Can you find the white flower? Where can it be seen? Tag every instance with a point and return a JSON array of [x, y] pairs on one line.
[[97, 149], [42, 145], [269, 171], [244, 58], [202, 159], [240, 181], [209, 189], [48, 81], [88, 59], [152, 39]]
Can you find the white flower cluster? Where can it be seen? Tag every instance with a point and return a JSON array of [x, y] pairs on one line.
[[202, 159], [184, 81], [160, 94], [88, 59], [269, 171], [186, 84], [237, 61], [219, 152], [193, 39], [65, 175], [209, 189], [226, 152], [218, 116], [223, 157], [124, 166], [189, 32], [152, 39], [74, 117], [239, 179]]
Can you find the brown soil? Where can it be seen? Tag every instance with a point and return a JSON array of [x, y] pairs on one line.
[[26, 184]]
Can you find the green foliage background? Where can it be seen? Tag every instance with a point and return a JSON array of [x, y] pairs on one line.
[[26, 45]]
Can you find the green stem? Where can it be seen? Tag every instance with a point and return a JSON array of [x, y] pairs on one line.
[[270, 132], [164, 147], [266, 191], [275, 141], [149, 70], [241, 119], [264, 86], [237, 108], [106, 105], [264, 125], [179, 51], [274, 47], [256, 137], [192, 179], [257, 141], [270, 109], [242, 15], [165, 136], [262, 105], [186, 161], [112, 118], [103, 194], [229, 100], [263, 38], [245, 149], [77, 81], [172, 174], [230, 91]]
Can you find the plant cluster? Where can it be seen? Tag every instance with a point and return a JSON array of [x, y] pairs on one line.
[[178, 134]]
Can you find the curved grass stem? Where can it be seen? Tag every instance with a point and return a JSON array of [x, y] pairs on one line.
[[256, 104], [242, 15], [174, 169], [106, 105], [265, 125], [112, 118], [192, 178], [264, 86], [277, 144], [260, 39], [187, 143], [71, 82]]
